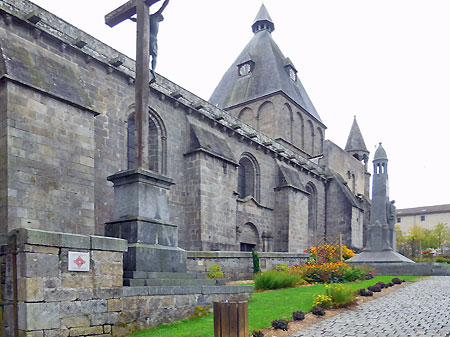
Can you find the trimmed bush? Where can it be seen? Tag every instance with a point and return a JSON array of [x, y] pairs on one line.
[[280, 324], [275, 280], [382, 285], [365, 293], [396, 280], [318, 311], [375, 288], [298, 315]]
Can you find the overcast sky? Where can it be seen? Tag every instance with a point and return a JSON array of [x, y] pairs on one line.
[[385, 61]]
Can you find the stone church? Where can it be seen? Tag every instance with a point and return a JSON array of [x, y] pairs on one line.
[[251, 167]]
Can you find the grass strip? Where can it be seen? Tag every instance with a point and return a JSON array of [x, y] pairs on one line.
[[263, 309]]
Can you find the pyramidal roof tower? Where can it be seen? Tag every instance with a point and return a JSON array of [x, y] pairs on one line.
[[262, 70], [355, 143]]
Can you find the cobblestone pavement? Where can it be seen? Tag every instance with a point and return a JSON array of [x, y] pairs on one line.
[[419, 309]]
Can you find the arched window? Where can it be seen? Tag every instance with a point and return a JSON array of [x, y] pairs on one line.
[[312, 208], [309, 138], [298, 130], [157, 143], [285, 123], [246, 115], [266, 122], [248, 177], [320, 139], [248, 237]]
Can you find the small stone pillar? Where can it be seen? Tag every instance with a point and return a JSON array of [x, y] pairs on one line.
[[141, 216]]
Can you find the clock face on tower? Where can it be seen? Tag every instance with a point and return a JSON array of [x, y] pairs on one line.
[[293, 75], [245, 69]]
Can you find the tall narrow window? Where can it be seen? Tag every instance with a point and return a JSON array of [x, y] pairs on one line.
[[312, 207], [248, 177], [156, 143]]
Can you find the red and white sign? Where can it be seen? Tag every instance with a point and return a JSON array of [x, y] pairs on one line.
[[79, 261]]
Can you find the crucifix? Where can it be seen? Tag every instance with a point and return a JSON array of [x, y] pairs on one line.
[[142, 9]]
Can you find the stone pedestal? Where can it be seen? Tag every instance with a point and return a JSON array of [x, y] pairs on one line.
[[141, 216]]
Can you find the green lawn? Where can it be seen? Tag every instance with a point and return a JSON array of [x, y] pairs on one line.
[[263, 308]]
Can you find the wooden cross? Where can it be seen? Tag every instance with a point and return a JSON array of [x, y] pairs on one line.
[[124, 12]]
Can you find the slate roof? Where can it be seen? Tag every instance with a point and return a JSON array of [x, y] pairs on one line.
[[207, 141], [424, 210], [289, 178], [355, 140], [270, 74], [380, 153]]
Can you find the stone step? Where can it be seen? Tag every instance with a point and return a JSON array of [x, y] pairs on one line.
[[171, 282], [163, 275]]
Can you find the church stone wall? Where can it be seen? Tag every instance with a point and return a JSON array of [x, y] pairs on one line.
[[348, 167], [50, 169], [3, 158], [279, 118], [298, 222], [62, 150], [339, 213]]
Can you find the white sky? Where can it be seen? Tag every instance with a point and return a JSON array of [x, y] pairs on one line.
[[385, 61]]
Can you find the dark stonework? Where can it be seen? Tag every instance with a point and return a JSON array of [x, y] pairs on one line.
[[380, 241], [141, 210], [63, 134]]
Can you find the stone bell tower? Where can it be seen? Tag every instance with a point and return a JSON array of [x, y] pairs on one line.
[[380, 246]]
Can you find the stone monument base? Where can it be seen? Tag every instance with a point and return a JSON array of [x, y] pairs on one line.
[[384, 256], [408, 269]]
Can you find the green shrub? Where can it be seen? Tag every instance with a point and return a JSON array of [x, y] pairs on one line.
[[256, 267], [323, 301], [341, 295], [331, 272], [440, 259], [275, 280], [282, 267], [354, 273], [215, 272]]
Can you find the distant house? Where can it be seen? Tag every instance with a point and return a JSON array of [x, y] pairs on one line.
[[425, 216]]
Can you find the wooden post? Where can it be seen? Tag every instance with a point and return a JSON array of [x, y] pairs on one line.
[[124, 12], [142, 87], [230, 319]]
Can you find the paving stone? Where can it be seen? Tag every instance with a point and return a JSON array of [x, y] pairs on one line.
[[418, 309]]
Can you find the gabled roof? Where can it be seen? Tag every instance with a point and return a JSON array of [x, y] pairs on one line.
[[424, 210], [355, 140], [289, 178], [269, 74]]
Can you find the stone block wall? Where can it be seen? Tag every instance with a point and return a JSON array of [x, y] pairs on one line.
[[3, 155], [279, 118], [56, 302], [239, 265], [50, 169], [53, 301], [65, 139]]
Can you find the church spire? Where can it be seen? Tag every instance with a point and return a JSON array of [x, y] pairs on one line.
[[263, 21], [355, 143]]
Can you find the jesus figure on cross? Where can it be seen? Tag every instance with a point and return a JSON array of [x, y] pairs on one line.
[[155, 19]]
